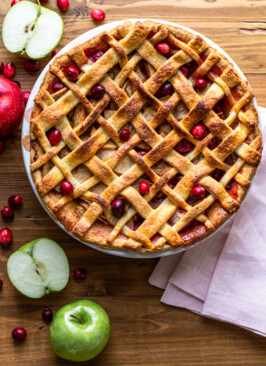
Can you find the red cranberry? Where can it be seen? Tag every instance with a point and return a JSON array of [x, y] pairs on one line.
[[201, 83], [15, 200], [7, 212], [159, 94], [1, 66], [47, 315], [143, 152], [54, 53], [177, 178], [6, 236], [1, 146], [32, 65], [198, 192], [58, 86], [80, 274], [184, 146], [16, 82], [9, 70], [167, 89], [98, 91], [19, 334], [15, 2], [66, 187], [55, 137], [72, 73], [97, 15], [118, 207], [97, 55], [124, 135], [217, 174], [213, 143], [144, 187], [137, 221], [184, 69], [1, 283], [171, 185], [63, 4], [199, 131], [163, 48], [26, 95]]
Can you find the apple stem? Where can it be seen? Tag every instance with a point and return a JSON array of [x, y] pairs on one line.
[[76, 317], [39, 12]]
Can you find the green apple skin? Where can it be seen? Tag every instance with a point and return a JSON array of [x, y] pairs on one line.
[[74, 341]]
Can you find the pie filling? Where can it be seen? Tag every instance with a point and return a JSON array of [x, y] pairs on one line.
[[157, 141]]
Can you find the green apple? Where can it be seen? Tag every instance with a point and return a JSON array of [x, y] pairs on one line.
[[79, 331], [38, 268], [31, 30]]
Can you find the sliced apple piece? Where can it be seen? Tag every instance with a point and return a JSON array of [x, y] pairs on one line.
[[38, 268], [31, 30]]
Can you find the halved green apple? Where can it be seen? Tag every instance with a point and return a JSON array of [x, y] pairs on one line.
[[38, 268], [31, 30]]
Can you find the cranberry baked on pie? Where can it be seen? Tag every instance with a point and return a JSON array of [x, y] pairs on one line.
[[143, 138]]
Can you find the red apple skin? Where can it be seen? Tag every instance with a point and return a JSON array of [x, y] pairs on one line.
[[11, 106]]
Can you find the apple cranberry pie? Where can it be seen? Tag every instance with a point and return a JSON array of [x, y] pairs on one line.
[[143, 138]]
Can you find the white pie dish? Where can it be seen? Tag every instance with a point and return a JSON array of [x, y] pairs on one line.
[[26, 153]]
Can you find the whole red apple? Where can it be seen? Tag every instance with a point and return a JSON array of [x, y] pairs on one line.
[[12, 106]]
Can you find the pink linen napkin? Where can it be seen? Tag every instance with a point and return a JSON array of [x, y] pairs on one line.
[[225, 278]]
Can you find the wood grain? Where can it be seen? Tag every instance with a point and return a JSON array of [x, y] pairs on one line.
[[144, 331]]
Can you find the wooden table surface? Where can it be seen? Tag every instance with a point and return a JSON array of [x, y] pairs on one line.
[[144, 331]]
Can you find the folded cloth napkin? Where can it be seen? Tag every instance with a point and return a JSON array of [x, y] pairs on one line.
[[225, 278]]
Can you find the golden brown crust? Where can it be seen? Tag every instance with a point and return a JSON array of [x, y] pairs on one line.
[[87, 126]]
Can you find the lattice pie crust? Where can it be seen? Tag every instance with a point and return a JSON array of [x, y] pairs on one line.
[[101, 168]]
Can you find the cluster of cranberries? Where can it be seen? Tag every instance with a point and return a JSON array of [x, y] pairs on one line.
[[173, 181], [8, 213], [96, 56], [97, 14], [9, 71], [19, 333], [62, 4]]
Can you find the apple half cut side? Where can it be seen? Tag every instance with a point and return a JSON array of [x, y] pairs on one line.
[[38, 268], [31, 30]]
